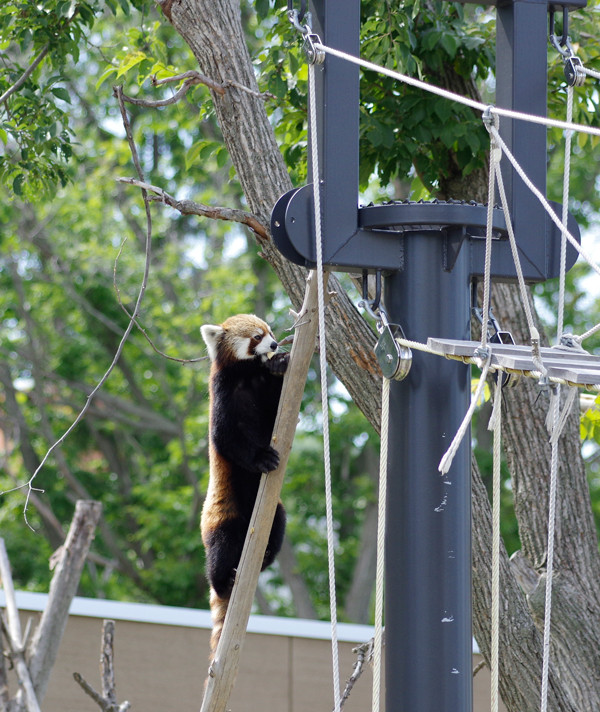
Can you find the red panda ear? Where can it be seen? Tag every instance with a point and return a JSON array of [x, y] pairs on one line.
[[210, 334]]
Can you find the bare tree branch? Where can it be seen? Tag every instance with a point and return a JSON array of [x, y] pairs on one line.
[[26, 74], [107, 701], [364, 653], [29, 71], [189, 207], [13, 634], [43, 648], [190, 79]]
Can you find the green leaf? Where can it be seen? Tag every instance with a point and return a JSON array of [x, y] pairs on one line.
[[61, 93], [105, 75], [18, 184], [449, 43], [130, 60]]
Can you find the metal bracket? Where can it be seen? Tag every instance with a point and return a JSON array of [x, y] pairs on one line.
[[394, 359], [313, 55]]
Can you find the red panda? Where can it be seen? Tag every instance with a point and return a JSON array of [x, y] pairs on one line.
[[245, 386]]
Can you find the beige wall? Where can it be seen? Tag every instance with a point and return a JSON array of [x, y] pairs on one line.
[[161, 668]]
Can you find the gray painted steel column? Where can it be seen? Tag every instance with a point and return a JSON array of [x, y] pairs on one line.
[[428, 541]]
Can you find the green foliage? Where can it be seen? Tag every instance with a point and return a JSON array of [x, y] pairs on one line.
[[142, 450]]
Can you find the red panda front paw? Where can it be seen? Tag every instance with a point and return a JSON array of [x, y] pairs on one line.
[[278, 363], [267, 460]]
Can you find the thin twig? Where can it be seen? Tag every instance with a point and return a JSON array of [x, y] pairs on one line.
[[212, 84], [478, 667], [89, 690], [26, 74], [189, 207], [190, 79], [29, 484], [137, 323], [364, 653]]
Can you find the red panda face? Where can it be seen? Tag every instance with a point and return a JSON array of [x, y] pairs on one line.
[[238, 338]]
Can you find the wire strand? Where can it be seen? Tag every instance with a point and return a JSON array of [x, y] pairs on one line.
[[431, 88], [381, 526], [565, 216], [495, 425], [321, 279]]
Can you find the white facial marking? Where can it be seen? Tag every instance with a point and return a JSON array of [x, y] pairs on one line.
[[241, 347], [266, 345]]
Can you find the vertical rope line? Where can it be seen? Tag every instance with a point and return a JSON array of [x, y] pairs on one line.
[[381, 523], [550, 551], [496, 425], [487, 280], [565, 216], [321, 277], [535, 337]]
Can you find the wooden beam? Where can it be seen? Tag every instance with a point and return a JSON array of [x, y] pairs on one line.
[[223, 671]]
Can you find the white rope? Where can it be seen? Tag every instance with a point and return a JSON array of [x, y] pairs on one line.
[[590, 72], [381, 524], [456, 97], [495, 425], [321, 277], [588, 333], [550, 554], [565, 215], [533, 332], [446, 461], [495, 155]]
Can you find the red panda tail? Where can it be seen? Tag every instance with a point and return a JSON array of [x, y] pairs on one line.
[[218, 609]]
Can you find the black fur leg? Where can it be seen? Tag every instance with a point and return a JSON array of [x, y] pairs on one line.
[[223, 550], [267, 459], [275, 537]]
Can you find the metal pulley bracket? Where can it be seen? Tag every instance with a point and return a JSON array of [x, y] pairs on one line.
[[394, 359], [313, 55], [574, 73]]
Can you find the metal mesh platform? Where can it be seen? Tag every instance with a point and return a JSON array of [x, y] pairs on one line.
[[575, 367]]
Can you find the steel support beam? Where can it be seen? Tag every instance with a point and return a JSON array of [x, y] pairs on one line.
[[428, 542]]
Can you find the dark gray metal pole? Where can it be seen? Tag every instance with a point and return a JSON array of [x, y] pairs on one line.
[[428, 541]]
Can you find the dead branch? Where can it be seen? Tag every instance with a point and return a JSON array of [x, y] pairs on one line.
[[478, 667], [12, 631], [364, 654], [190, 79], [182, 91], [43, 648], [107, 701], [189, 207]]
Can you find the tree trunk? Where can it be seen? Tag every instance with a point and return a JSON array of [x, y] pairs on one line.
[[214, 32]]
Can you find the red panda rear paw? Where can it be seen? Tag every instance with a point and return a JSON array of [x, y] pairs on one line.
[[278, 363], [267, 460]]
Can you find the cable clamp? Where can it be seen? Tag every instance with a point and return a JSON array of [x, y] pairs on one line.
[[489, 118], [573, 68], [574, 73], [313, 55], [394, 358]]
